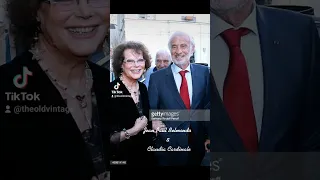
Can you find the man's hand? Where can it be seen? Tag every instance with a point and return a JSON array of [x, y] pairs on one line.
[[158, 125], [205, 145]]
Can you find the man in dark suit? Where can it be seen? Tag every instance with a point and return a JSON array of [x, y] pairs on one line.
[[181, 86], [266, 79]]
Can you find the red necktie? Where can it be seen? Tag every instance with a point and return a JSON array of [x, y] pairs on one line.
[[184, 93], [237, 93]]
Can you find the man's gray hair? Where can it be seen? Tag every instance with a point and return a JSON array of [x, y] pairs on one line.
[[180, 33], [164, 51]]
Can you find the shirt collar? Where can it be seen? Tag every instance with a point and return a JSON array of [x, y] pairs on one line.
[[176, 69], [221, 25]]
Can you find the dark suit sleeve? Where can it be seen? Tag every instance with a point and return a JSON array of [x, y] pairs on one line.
[[146, 112], [207, 97], [310, 125], [154, 100], [153, 93], [207, 104], [146, 105]]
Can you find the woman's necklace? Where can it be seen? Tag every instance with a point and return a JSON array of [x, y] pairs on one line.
[[135, 92], [81, 99]]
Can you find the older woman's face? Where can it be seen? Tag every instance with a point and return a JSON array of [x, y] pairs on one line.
[[134, 64], [78, 29]]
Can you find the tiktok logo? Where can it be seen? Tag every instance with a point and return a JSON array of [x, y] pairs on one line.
[[116, 87], [23, 78]]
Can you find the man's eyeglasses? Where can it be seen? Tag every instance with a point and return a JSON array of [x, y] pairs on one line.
[[69, 5], [133, 62]]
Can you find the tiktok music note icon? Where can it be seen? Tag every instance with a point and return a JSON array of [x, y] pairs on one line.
[[23, 77], [116, 87]]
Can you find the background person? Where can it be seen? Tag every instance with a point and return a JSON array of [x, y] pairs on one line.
[[163, 60]]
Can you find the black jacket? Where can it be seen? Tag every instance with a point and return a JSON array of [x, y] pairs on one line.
[[46, 145], [124, 113]]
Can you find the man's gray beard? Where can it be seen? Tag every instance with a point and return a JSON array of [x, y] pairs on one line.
[[182, 63], [179, 62]]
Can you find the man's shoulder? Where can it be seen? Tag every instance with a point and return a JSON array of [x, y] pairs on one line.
[[283, 15], [149, 71], [288, 25], [160, 72], [200, 67]]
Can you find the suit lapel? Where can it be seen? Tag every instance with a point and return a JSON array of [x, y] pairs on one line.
[[171, 84], [272, 65], [197, 82]]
